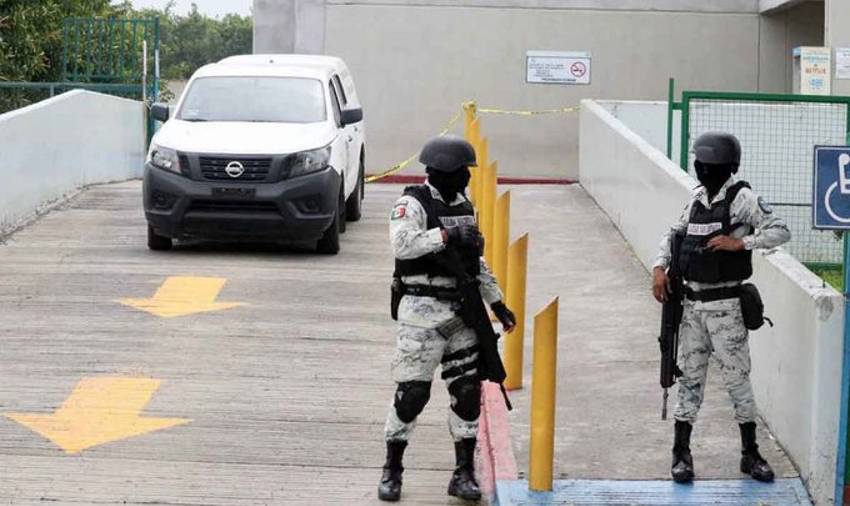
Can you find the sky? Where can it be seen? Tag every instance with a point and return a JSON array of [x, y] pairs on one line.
[[214, 8]]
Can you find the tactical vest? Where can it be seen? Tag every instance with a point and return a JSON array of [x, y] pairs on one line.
[[696, 263], [439, 215]]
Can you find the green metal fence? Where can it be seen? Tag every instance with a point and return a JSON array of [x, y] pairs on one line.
[[99, 50], [114, 56], [778, 134]]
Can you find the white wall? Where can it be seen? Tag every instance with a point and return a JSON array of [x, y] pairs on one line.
[[648, 119], [797, 364], [54, 147], [414, 65]]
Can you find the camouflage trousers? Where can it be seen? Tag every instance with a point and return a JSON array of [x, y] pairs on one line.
[[419, 350], [714, 329]]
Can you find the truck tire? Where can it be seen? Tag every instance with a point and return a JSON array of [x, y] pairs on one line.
[[158, 242], [329, 243], [354, 204]]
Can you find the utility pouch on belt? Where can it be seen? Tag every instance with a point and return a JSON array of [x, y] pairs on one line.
[[752, 307], [396, 293]]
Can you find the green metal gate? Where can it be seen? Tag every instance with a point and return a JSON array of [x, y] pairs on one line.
[[112, 51], [778, 134]]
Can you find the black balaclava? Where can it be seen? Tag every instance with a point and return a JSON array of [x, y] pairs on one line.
[[713, 176], [449, 184]]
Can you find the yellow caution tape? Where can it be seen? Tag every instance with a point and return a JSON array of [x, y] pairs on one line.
[[401, 166], [527, 113]]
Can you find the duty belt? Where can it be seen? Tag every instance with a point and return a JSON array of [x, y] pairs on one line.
[[728, 292], [437, 292]]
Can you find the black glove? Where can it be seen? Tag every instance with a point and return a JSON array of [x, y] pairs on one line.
[[506, 316], [465, 235]]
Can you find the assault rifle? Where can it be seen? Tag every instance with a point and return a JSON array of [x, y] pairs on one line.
[[671, 318], [473, 312]]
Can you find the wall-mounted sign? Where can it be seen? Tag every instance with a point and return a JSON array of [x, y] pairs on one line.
[[555, 67], [813, 68], [842, 63]]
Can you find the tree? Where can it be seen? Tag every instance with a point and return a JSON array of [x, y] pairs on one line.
[[31, 35]]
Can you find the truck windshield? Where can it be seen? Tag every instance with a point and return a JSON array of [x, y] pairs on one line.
[[254, 99]]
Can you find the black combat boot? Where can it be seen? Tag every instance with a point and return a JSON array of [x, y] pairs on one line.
[[683, 464], [390, 487], [752, 462], [463, 482]]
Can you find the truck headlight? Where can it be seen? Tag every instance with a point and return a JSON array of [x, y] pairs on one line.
[[164, 158], [307, 162]]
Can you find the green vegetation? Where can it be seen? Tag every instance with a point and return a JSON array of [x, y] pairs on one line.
[[832, 274], [31, 35], [195, 39], [31, 39]]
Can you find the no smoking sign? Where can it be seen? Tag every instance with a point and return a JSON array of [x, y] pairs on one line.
[[578, 69], [553, 67]]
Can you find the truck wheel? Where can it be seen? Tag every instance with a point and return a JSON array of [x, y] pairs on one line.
[[329, 243], [157, 242], [342, 208], [354, 204]]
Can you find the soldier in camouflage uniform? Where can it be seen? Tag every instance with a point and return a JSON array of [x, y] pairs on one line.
[[426, 221], [722, 224]]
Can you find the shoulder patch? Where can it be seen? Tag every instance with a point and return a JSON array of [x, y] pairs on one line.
[[399, 211], [764, 206]]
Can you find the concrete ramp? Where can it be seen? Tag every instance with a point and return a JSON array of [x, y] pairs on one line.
[[275, 390], [608, 418]]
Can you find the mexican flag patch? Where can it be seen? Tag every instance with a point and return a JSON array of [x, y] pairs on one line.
[[399, 211]]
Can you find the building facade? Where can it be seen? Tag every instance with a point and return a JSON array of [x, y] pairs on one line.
[[415, 61]]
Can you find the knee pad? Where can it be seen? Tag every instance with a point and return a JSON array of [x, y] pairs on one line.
[[411, 398], [466, 397]]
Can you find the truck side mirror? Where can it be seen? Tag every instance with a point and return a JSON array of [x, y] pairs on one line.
[[160, 112], [351, 116]]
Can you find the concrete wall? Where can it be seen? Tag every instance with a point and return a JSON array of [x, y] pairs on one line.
[[797, 364], [837, 35], [289, 26], [648, 119], [423, 57], [56, 146], [780, 32], [414, 65]]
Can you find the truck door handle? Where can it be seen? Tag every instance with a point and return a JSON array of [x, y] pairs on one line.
[[350, 138]]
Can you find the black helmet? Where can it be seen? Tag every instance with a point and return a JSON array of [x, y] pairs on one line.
[[718, 148], [447, 153]]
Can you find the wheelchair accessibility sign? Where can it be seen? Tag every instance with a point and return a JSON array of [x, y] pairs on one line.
[[831, 201]]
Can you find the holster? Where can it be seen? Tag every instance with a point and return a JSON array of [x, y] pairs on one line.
[[752, 307], [396, 293]]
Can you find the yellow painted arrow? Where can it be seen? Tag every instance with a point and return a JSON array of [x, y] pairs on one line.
[[100, 410], [183, 295]]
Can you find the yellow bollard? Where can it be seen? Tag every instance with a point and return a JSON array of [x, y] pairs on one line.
[[488, 199], [515, 341], [543, 384], [501, 237], [474, 138], [469, 112], [483, 160]]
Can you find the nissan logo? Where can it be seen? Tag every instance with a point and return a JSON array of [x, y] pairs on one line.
[[234, 169]]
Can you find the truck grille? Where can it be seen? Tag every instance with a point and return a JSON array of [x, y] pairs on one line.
[[215, 169], [233, 206]]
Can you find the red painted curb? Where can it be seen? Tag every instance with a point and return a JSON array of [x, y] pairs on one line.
[[417, 179], [496, 457]]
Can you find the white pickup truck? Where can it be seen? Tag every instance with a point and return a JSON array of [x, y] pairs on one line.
[[259, 147]]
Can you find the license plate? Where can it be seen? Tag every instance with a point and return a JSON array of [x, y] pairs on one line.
[[242, 193]]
